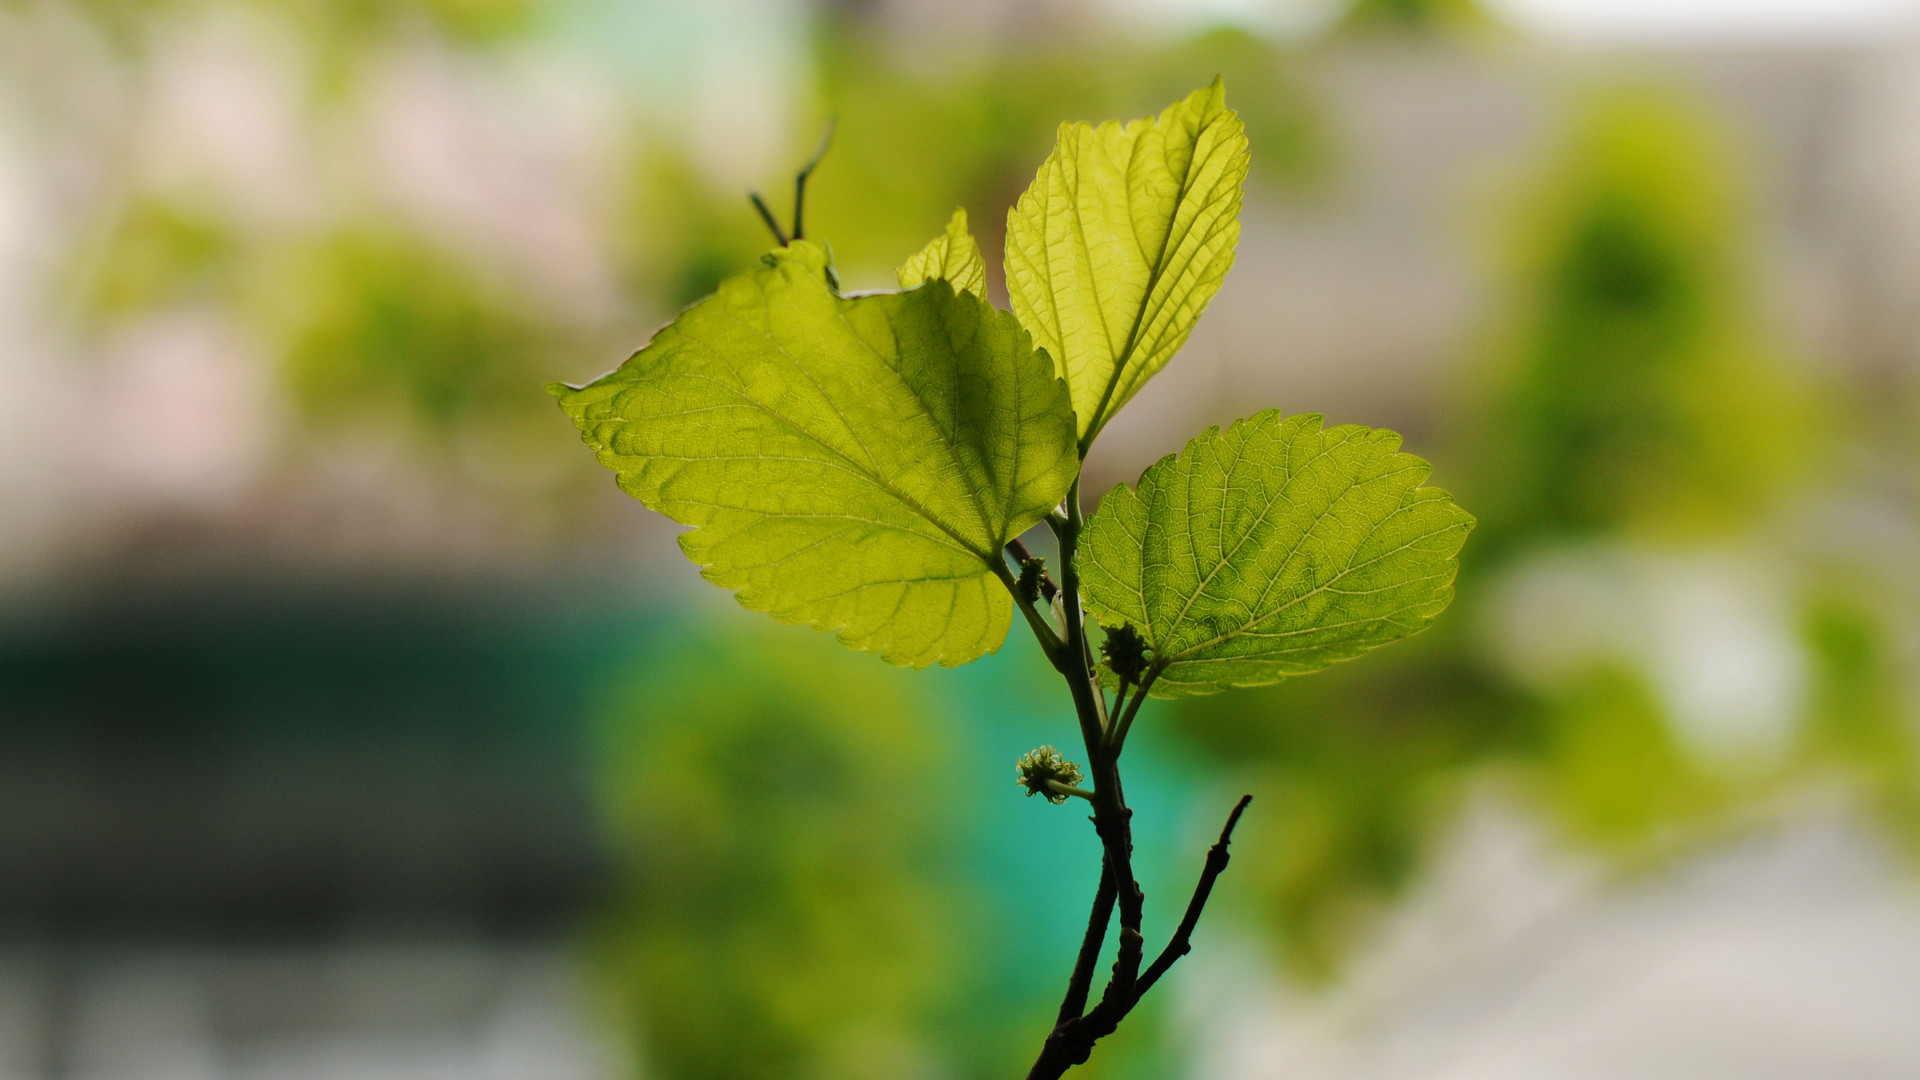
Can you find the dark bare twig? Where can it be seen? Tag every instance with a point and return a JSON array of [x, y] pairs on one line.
[[1075, 1003], [766, 215], [799, 193], [1182, 941], [1126, 962], [800, 178], [1072, 1039], [1075, 1032]]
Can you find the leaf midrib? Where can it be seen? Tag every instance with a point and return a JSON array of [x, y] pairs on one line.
[[851, 466], [951, 439], [1098, 421]]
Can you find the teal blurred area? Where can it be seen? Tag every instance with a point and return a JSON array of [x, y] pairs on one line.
[[353, 724]]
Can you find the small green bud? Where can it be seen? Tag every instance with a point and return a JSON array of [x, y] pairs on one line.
[[1043, 764], [1125, 653], [1033, 572]]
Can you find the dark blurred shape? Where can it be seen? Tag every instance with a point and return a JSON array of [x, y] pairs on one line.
[[213, 760]]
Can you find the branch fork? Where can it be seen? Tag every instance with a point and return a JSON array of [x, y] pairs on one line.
[[1076, 1027]]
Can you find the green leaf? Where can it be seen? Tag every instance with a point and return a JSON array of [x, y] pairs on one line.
[[1272, 549], [1124, 236], [952, 257], [851, 464]]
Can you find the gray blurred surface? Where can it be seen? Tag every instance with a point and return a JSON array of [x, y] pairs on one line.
[[375, 1008], [1793, 954]]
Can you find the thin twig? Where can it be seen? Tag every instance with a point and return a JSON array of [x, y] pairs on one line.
[[1123, 988], [800, 178], [1072, 1039], [1111, 818], [1075, 1003], [1076, 1031], [1182, 941], [766, 215], [799, 193]]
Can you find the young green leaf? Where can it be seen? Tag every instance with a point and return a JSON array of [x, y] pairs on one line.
[[1272, 549], [851, 464], [1125, 234], [952, 257]]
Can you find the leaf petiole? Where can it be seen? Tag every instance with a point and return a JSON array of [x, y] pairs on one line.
[[1050, 642], [1118, 740]]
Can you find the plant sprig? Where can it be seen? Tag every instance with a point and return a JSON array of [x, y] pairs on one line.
[[866, 465]]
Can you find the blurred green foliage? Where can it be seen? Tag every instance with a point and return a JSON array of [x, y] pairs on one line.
[[392, 324], [1635, 392], [336, 29], [1858, 719], [790, 903], [371, 321], [1417, 16], [679, 237], [913, 141], [1608, 763], [1638, 390], [155, 253], [1354, 771]]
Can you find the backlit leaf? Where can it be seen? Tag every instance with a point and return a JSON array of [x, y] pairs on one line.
[[952, 257], [1123, 237], [1272, 549], [851, 464]]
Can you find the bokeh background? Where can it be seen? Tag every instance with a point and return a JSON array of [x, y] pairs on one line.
[[352, 725]]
